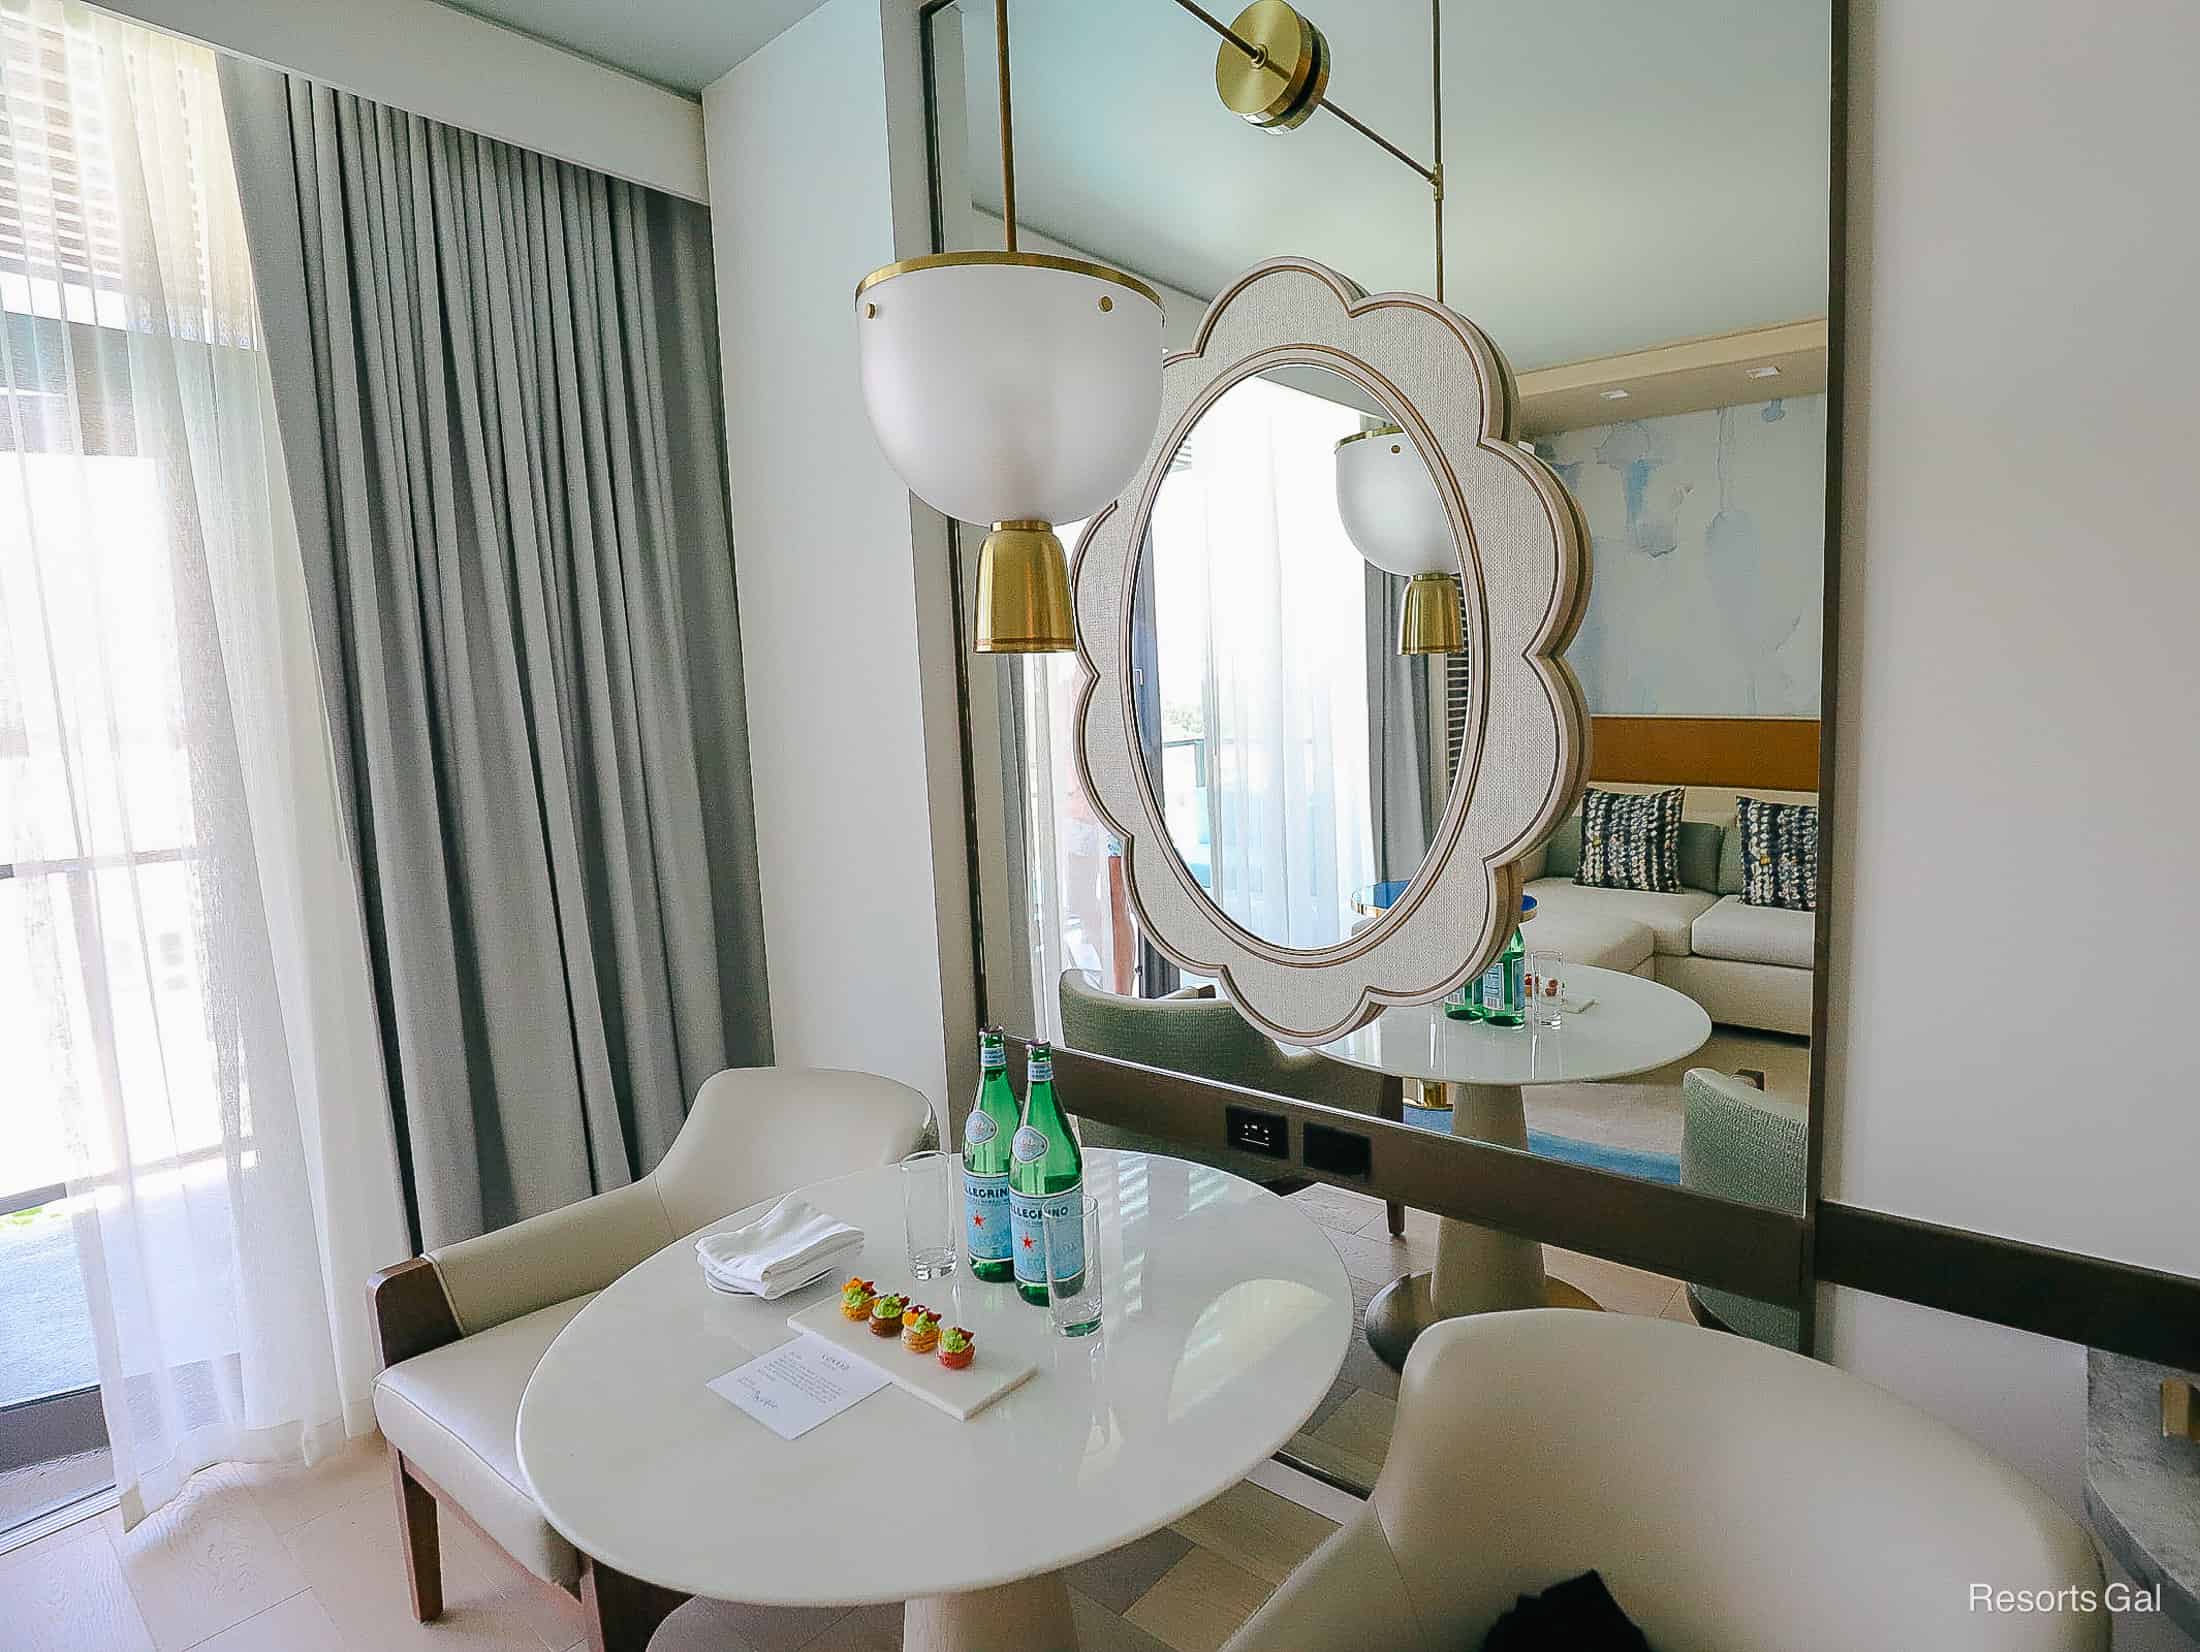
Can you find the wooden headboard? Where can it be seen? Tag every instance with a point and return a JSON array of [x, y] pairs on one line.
[[1774, 753]]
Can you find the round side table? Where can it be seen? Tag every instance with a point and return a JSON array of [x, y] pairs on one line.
[[1227, 1315], [1632, 1026]]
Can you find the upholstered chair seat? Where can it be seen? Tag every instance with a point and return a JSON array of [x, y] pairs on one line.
[[1734, 1497]]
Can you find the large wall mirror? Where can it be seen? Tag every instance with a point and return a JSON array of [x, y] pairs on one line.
[[1637, 210]]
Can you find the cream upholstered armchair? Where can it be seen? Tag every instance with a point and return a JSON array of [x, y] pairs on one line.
[[1734, 1497], [461, 1329]]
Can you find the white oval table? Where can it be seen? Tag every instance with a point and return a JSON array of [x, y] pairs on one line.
[[1226, 1318], [1633, 1026]]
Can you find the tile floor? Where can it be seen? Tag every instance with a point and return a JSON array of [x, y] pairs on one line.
[[253, 1559]]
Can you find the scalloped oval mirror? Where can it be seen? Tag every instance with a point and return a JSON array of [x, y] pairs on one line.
[[1220, 895], [1297, 756]]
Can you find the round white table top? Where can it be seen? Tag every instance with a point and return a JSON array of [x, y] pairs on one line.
[[1633, 1026], [1226, 1318]]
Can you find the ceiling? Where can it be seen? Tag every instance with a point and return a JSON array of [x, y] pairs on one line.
[[1619, 175], [680, 44]]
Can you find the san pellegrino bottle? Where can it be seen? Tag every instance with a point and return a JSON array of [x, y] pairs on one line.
[[987, 1133], [1499, 990], [1046, 1187]]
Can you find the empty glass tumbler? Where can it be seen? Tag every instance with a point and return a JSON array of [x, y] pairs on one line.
[[1073, 1267], [1543, 985], [929, 1189]]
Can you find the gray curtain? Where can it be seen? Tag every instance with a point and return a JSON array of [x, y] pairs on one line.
[[496, 379], [1405, 780]]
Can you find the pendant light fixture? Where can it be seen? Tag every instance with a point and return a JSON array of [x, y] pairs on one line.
[[1015, 389], [1395, 518], [1273, 68]]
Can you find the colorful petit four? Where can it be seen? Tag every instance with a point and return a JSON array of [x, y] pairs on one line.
[[957, 1347], [920, 1330], [856, 1297], [886, 1312]]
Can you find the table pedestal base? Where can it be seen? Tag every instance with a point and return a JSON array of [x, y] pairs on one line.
[[1402, 1310], [1478, 1270], [1030, 1616]]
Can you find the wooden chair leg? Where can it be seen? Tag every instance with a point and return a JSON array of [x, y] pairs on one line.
[[416, 1525], [1391, 1105], [623, 1612]]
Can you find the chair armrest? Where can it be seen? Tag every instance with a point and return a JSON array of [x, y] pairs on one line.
[[552, 1257], [1347, 1596], [410, 1312]]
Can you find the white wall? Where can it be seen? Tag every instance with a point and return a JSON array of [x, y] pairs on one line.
[[844, 612], [2015, 666], [2016, 931], [430, 60]]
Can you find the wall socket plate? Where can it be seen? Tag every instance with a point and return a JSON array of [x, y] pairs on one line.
[[1252, 1131]]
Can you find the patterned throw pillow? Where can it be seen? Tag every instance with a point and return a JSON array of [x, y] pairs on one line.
[[1779, 853], [1630, 842]]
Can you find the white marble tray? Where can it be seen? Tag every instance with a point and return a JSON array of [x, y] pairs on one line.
[[961, 1394]]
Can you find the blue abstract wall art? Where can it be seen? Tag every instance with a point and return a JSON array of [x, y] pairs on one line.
[[1709, 535]]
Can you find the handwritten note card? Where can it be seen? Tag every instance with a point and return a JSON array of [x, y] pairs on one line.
[[798, 1385]]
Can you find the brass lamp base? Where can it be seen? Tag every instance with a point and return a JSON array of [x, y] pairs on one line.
[[1023, 592], [1279, 88], [1428, 622]]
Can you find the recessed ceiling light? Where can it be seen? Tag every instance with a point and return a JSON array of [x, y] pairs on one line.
[[1764, 372], [1613, 395]]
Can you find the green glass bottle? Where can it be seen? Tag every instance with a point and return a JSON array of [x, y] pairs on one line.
[[985, 1136], [1499, 989], [1046, 1186]]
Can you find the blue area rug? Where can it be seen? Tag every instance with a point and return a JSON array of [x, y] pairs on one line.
[[1621, 1161]]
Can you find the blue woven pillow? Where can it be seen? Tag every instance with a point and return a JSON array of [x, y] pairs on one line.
[[1779, 853], [1630, 842]]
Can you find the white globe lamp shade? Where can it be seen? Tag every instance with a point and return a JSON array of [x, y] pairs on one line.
[[1389, 505], [1394, 516], [1019, 390]]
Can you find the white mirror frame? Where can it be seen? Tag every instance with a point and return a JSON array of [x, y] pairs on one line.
[[1525, 574]]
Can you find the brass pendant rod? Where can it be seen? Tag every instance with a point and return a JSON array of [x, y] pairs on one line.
[[1428, 175], [1436, 128], [1008, 141]]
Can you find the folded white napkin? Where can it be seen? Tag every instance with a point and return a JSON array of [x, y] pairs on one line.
[[787, 1247]]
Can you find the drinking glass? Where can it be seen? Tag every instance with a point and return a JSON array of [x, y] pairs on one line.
[[928, 1212], [1072, 1239], [1543, 985]]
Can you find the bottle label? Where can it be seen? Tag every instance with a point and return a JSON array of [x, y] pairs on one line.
[[985, 1215], [1491, 992], [979, 1128], [992, 1058], [1041, 1068], [1063, 1217], [1028, 1146]]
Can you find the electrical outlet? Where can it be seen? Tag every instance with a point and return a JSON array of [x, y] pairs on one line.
[[1337, 1152], [1268, 1134]]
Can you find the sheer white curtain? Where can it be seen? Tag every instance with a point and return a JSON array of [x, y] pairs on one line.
[[190, 1030], [1259, 592]]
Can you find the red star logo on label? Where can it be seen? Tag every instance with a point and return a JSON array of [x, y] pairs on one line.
[[977, 1221], [1027, 1241]]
